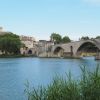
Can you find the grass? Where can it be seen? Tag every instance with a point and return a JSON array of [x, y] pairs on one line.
[[85, 88]]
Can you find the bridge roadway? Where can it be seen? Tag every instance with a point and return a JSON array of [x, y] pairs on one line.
[[71, 49]]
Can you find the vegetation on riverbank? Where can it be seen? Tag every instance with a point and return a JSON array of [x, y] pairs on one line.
[[10, 44], [85, 88], [16, 56]]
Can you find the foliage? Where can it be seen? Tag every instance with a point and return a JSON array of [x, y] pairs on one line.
[[86, 88], [66, 39], [56, 38], [98, 37], [85, 38], [10, 43]]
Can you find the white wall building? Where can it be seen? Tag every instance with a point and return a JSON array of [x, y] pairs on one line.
[[30, 45], [27, 41]]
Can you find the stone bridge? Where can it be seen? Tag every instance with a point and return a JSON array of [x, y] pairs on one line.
[[75, 49], [28, 51]]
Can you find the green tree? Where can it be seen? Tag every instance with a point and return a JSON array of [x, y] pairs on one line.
[[66, 39], [85, 38], [10, 43], [56, 38], [98, 37]]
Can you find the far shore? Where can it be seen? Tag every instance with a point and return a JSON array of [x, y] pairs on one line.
[[23, 56], [16, 56]]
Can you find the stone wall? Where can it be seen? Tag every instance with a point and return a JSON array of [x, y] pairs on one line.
[[72, 48]]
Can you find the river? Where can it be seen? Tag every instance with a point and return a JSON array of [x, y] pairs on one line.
[[15, 72]]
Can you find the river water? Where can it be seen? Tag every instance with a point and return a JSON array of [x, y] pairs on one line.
[[15, 72]]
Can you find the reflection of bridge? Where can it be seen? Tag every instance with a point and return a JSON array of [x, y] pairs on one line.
[[78, 49]]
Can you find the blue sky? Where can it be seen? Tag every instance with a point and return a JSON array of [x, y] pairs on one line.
[[39, 18]]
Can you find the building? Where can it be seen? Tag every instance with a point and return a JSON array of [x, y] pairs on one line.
[[44, 47], [30, 45], [27, 41], [2, 32]]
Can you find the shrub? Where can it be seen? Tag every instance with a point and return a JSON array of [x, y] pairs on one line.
[[85, 88]]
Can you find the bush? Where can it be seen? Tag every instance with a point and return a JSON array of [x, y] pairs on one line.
[[86, 88]]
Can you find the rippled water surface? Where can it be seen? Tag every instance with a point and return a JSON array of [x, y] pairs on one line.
[[15, 72]]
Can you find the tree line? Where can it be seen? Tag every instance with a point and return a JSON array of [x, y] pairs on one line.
[[87, 38], [57, 38], [10, 43]]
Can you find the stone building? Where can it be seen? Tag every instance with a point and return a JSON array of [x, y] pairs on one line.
[[29, 45], [44, 48], [28, 41], [2, 32]]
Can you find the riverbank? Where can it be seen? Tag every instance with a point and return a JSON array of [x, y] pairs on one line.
[[62, 57], [16, 56], [23, 56]]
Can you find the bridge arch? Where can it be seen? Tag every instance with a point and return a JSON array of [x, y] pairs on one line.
[[88, 48], [58, 51], [30, 51]]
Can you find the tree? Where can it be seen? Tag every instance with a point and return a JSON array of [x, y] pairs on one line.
[[56, 38], [85, 38], [98, 37], [10, 43], [66, 39]]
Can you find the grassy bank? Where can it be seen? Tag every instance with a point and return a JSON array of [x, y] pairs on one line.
[[85, 88], [16, 56]]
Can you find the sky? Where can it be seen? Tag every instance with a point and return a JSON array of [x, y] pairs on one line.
[[40, 18]]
